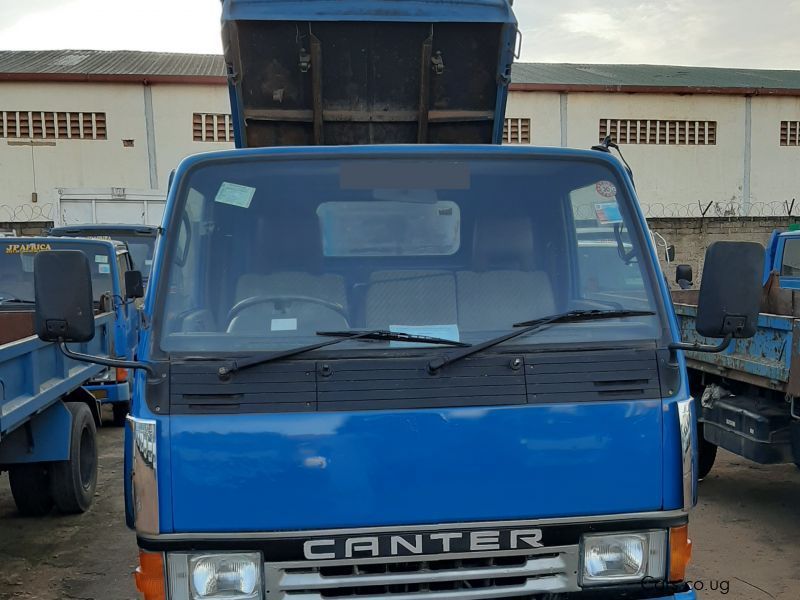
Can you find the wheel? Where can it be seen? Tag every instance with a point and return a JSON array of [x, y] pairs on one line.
[[30, 487], [73, 481], [707, 453], [120, 410]]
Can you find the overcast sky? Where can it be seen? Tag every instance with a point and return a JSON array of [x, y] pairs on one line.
[[726, 33]]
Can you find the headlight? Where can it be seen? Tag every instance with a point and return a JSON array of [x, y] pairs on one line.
[[623, 557], [212, 576]]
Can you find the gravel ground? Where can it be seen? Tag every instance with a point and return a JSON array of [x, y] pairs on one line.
[[746, 533]]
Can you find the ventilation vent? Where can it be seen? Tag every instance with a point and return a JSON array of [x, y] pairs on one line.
[[591, 377], [790, 133], [212, 127], [517, 131], [657, 132], [46, 125]]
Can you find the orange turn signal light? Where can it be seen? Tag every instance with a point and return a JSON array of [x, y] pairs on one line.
[[149, 576], [680, 553], [122, 374]]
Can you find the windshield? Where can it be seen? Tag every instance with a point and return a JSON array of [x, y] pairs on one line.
[[16, 267], [140, 246], [269, 252]]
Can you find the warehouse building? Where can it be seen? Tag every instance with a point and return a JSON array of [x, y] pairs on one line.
[[94, 135]]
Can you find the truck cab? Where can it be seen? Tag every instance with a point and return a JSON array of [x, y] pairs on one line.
[[110, 261], [140, 239]]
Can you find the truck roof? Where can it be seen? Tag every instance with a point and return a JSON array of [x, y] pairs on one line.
[[483, 11], [323, 72], [146, 230]]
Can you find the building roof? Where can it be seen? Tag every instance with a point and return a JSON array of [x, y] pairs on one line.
[[114, 65], [655, 78], [164, 67]]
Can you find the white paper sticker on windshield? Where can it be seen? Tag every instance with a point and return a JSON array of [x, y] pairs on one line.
[[235, 194], [283, 325], [447, 332], [104, 269], [100, 258]]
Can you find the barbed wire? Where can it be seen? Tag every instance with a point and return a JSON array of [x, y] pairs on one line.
[[24, 213], [729, 209]]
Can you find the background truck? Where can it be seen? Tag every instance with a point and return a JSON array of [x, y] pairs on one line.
[[140, 239], [111, 265], [749, 393], [378, 371], [47, 419]]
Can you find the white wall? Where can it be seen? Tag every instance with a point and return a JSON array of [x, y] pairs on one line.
[[50, 164], [775, 176], [672, 180]]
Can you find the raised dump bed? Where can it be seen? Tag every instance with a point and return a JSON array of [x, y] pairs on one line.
[[310, 72]]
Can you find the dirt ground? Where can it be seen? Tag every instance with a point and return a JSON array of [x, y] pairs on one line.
[[746, 533]]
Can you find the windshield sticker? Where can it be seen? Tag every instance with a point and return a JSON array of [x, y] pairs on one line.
[[104, 269], [447, 332], [148, 262], [283, 325], [606, 189], [100, 258], [26, 248], [608, 213], [235, 195]]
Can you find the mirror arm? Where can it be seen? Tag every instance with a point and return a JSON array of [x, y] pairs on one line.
[[703, 347], [108, 362]]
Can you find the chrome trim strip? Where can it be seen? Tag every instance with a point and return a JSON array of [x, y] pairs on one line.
[[144, 475], [688, 467], [227, 536]]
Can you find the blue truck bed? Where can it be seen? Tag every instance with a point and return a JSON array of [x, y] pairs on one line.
[[35, 374], [765, 360]]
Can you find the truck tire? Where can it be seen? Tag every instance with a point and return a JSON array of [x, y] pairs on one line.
[[707, 453], [30, 487], [120, 410], [74, 481]]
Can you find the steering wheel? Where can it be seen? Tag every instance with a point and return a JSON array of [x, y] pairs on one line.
[[256, 300]]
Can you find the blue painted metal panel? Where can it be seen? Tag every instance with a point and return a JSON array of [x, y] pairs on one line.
[[35, 374], [451, 11], [51, 431], [768, 354], [299, 471]]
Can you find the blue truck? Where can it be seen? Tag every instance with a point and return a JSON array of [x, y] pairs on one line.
[[749, 393], [48, 413], [111, 263], [140, 239], [371, 364]]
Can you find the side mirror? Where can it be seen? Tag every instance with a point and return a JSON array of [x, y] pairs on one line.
[[730, 294], [684, 276], [134, 285], [64, 302], [670, 254]]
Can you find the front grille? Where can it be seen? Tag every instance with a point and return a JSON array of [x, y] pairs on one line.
[[435, 577]]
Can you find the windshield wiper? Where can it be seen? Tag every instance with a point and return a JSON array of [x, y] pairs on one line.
[[573, 316], [340, 336], [384, 335], [16, 301]]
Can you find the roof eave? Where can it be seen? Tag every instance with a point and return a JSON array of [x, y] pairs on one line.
[[115, 78], [652, 89]]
